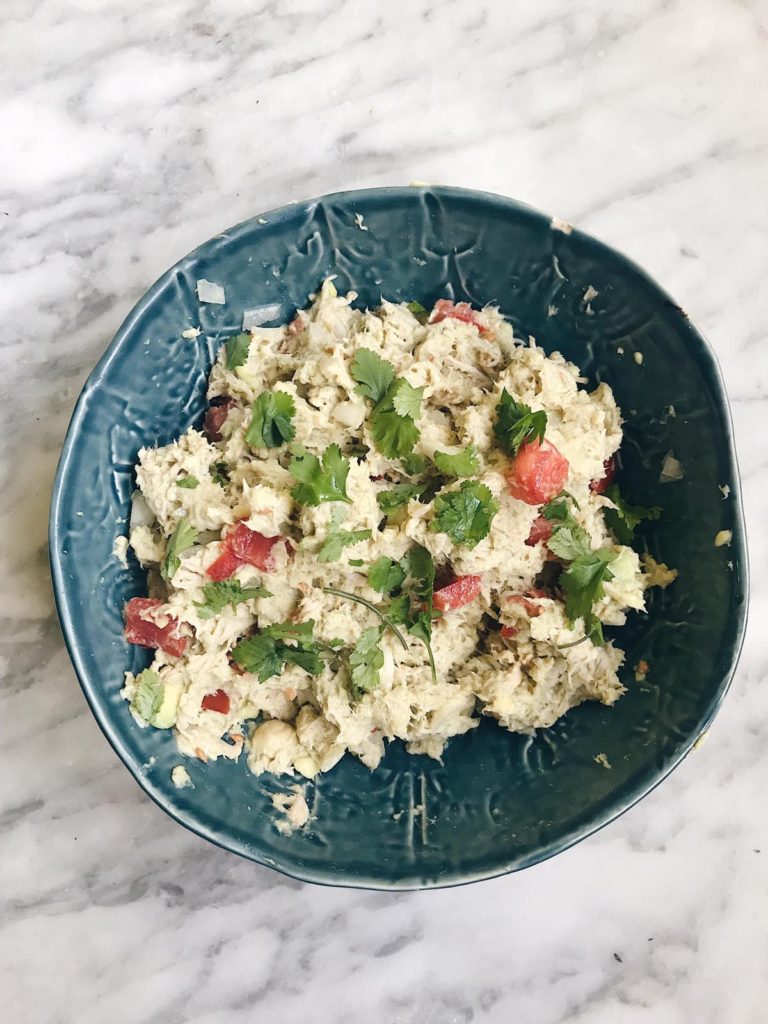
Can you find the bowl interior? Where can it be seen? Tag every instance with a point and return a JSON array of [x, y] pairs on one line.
[[499, 801]]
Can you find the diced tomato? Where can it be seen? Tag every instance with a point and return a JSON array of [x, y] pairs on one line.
[[253, 548], [447, 310], [218, 701], [139, 630], [541, 529], [509, 631], [457, 594], [537, 473], [609, 472], [243, 547], [217, 413], [224, 565]]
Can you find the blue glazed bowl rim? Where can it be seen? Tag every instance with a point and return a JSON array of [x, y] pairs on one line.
[[693, 339]]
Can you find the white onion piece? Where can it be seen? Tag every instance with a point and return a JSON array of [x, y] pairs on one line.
[[671, 469], [208, 291], [141, 514], [260, 315]]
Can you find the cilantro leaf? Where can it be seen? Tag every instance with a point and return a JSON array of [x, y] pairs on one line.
[[400, 609], [188, 482], [414, 465], [356, 562], [337, 540], [320, 481], [372, 373], [516, 424], [421, 314], [237, 351], [582, 580], [420, 566], [227, 592], [183, 537], [406, 400], [266, 654], [582, 585], [366, 661], [259, 656], [397, 496], [385, 576], [394, 434], [220, 473], [623, 519], [291, 630], [465, 515], [464, 463], [272, 420], [148, 697]]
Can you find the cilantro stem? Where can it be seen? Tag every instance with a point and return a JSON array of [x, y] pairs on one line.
[[367, 604], [573, 643], [431, 657]]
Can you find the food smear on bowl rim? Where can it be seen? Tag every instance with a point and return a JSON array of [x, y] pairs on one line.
[[391, 522]]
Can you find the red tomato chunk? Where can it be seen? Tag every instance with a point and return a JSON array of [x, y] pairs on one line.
[[141, 631], [609, 472], [218, 701], [447, 310], [253, 548], [525, 600], [243, 547], [537, 473], [457, 594]]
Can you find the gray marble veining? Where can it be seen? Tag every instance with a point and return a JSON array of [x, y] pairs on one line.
[[129, 134]]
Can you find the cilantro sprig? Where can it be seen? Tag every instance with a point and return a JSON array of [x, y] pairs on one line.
[[236, 350], [386, 576], [272, 420], [286, 643], [587, 570], [623, 519], [434, 475], [182, 538], [319, 480], [366, 661], [337, 540], [228, 592], [516, 424], [465, 515], [396, 404]]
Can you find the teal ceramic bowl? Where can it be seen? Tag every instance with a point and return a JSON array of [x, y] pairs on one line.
[[499, 802]]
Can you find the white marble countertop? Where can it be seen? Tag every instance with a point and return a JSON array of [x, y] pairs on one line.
[[129, 134]]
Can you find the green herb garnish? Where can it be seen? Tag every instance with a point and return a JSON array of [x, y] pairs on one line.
[[399, 495], [366, 661], [516, 424], [272, 420], [267, 653], [421, 314], [623, 519], [227, 592], [220, 473], [465, 463], [237, 350], [337, 540], [465, 515], [386, 576], [372, 373], [386, 619], [319, 481], [182, 538], [188, 482]]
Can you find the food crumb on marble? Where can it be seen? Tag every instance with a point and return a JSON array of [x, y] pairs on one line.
[[191, 333], [360, 223], [638, 357], [725, 490], [602, 760], [723, 537]]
